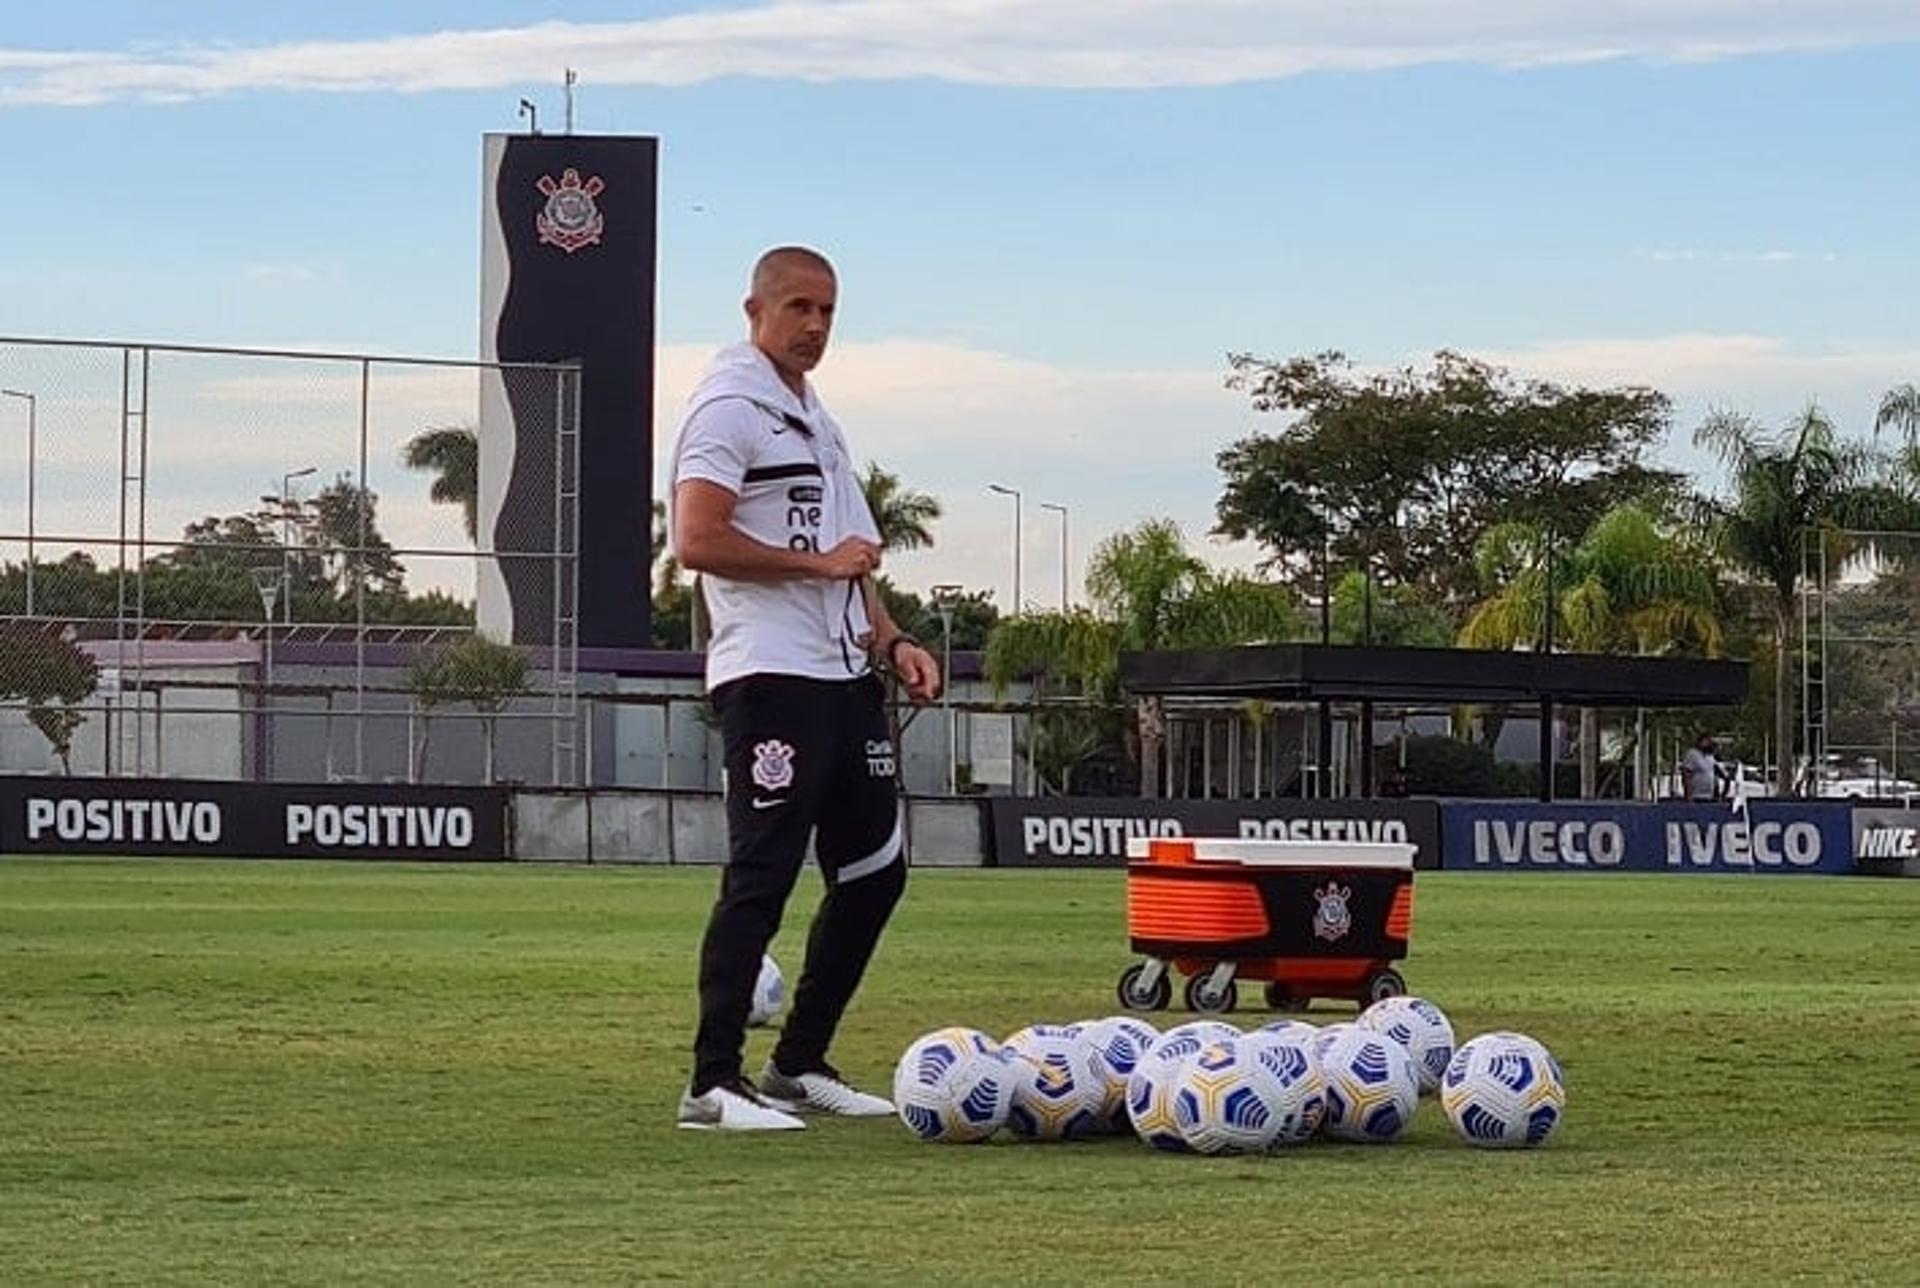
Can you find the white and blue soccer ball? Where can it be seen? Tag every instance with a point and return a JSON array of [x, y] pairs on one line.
[[1151, 1085], [1297, 1036], [1292, 1030], [1372, 1089], [769, 993], [1223, 1099], [1120, 1041], [1247, 1096], [1419, 1026], [1326, 1036], [1204, 1030], [1504, 1091], [1060, 1084], [1034, 1036], [954, 1085]]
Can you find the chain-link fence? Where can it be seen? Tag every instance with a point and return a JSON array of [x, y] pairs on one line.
[[1860, 664], [256, 564]]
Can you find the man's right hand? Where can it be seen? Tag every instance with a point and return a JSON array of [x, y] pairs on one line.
[[853, 557]]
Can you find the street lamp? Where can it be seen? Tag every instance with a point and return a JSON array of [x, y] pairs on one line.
[[267, 582], [32, 432], [286, 539], [943, 597], [1048, 505], [1015, 494]]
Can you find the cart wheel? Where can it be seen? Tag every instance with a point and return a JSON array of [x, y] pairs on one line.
[[1279, 999], [1202, 999], [1382, 984], [1135, 998]]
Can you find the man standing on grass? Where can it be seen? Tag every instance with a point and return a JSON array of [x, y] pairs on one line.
[[768, 511], [1700, 771]]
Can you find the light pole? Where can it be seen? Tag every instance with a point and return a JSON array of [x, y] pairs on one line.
[[32, 433], [943, 597], [268, 584], [1014, 611], [286, 539], [1048, 505]]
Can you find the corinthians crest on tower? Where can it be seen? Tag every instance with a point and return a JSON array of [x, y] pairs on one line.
[[570, 218]]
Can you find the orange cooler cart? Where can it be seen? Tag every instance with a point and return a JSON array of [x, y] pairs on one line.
[[1311, 919]]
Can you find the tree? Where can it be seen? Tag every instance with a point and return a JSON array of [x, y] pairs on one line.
[[676, 599], [971, 617], [1367, 612], [452, 452], [39, 664], [903, 515], [333, 531], [476, 670], [1900, 410], [1627, 587], [1404, 470], [1147, 592], [1800, 482]]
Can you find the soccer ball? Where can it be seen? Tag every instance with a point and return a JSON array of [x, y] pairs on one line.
[[769, 994], [1120, 1042], [1419, 1026], [1205, 1030], [1150, 1088], [1297, 1036], [1220, 1100], [954, 1085], [1503, 1090], [1246, 1096], [1034, 1035], [1326, 1036], [1298, 1031], [1059, 1087], [1372, 1089]]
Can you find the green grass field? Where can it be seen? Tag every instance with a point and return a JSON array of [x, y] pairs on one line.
[[217, 1072]]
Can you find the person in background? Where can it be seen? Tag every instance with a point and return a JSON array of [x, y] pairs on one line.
[[1700, 771]]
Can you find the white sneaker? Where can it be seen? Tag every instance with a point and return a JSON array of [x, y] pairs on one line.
[[823, 1091], [734, 1106]]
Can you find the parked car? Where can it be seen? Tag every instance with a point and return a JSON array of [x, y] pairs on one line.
[[1858, 787]]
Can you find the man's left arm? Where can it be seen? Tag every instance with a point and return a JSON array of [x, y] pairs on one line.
[[919, 673]]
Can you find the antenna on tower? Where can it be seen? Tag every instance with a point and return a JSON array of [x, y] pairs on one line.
[[572, 76], [532, 113]]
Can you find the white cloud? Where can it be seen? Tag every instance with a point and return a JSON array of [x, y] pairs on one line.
[[1114, 447], [1118, 447], [1073, 44], [1666, 256], [282, 274], [1762, 374]]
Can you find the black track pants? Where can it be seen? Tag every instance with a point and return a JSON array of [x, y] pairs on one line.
[[804, 757]]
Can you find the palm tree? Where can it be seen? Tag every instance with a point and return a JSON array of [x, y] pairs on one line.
[[453, 453], [1627, 587], [902, 514], [1147, 592], [1787, 486], [1900, 409]]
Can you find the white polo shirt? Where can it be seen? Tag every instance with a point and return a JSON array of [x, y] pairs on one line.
[[796, 491]]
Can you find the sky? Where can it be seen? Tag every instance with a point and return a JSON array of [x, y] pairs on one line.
[[1053, 219]]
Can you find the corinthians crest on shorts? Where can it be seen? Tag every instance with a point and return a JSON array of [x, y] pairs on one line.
[[1332, 919], [570, 218], [772, 765]]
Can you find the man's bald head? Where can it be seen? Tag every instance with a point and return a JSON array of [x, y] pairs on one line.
[[771, 267]]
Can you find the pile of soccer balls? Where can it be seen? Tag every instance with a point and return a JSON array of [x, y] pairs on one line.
[[1208, 1088]]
